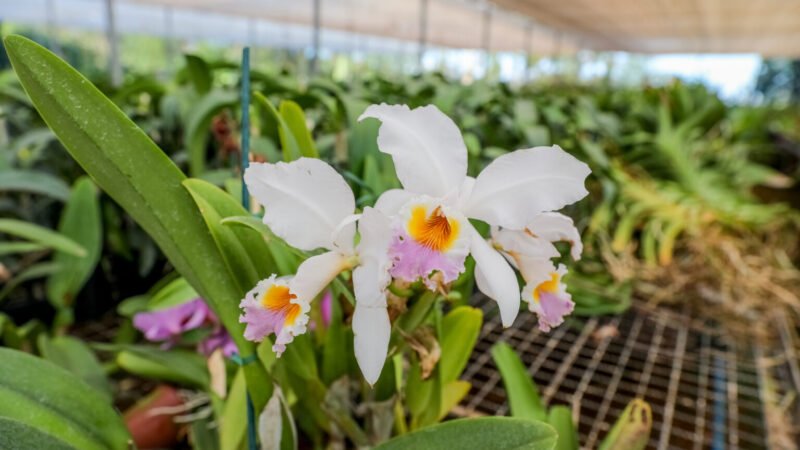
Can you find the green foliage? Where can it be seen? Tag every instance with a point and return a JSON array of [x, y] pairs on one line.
[[80, 221], [490, 433], [42, 395], [523, 395]]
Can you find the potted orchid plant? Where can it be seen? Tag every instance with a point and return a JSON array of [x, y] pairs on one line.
[[344, 321]]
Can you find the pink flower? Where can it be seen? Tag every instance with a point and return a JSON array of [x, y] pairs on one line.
[[168, 324]]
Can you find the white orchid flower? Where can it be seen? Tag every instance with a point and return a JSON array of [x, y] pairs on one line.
[[432, 234], [310, 206], [530, 251]]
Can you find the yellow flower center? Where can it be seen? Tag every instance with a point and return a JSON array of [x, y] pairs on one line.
[[278, 299], [434, 231], [550, 286]]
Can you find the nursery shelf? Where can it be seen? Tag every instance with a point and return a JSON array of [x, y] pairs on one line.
[[708, 387]]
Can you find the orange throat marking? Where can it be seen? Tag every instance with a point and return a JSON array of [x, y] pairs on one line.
[[550, 286], [435, 231], [278, 299]]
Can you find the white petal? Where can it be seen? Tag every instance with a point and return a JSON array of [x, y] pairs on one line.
[[516, 187], [304, 201], [557, 227], [535, 271], [495, 278], [390, 202], [428, 152], [522, 243], [344, 234], [371, 330], [371, 326], [315, 273], [371, 276]]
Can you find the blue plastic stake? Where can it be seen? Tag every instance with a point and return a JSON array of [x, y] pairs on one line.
[[252, 439], [245, 124]]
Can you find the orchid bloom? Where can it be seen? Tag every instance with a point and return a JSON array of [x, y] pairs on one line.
[[310, 206], [168, 324], [530, 251], [432, 235]]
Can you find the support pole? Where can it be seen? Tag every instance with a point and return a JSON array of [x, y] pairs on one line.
[[528, 50], [114, 66], [313, 65], [52, 19], [169, 37], [486, 38], [423, 31]]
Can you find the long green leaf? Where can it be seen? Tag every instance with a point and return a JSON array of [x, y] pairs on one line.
[[14, 434], [523, 396], [198, 126], [41, 235], [485, 433], [295, 120], [72, 354], [137, 174], [47, 397], [80, 221], [560, 418], [291, 148], [34, 182], [460, 329], [246, 255]]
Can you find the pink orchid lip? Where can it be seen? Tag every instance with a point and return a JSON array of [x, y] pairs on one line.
[[413, 261], [167, 325], [552, 310]]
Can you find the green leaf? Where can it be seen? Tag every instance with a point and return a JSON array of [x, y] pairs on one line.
[[460, 329], [179, 366], [335, 346], [199, 73], [295, 120], [291, 148], [452, 393], [560, 418], [42, 395], [33, 272], [11, 248], [14, 434], [198, 126], [632, 429], [285, 257], [523, 396], [176, 292], [80, 221], [246, 255], [485, 433], [34, 182], [72, 354], [126, 164], [41, 235], [233, 426]]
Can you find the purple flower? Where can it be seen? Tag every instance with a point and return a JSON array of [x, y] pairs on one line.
[[168, 324], [326, 307]]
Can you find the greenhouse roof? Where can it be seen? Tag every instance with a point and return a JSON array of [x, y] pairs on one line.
[[768, 27]]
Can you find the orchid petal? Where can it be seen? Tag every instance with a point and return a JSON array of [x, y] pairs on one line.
[[372, 330], [304, 201], [495, 278], [514, 188], [371, 326], [316, 273], [555, 227], [521, 243], [428, 152], [391, 201]]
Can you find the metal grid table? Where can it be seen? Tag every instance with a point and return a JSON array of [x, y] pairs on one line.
[[706, 388]]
